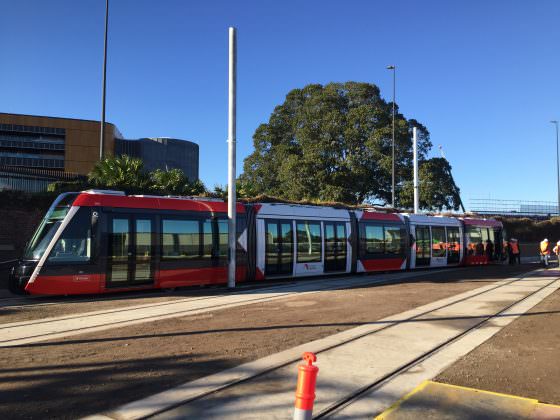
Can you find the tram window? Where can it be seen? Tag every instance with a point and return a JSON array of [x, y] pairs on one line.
[[143, 237], [181, 239], [474, 237], [393, 240], [207, 242], [423, 242], [453, 244], [223, 238], [308, 242], [485, 236], [374, 241], [438, 242], [492, 236], [74, 245]]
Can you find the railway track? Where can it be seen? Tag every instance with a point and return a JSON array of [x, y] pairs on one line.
[[26, 332], [33, 301], [199, 398], [333, 410], [39, 301]]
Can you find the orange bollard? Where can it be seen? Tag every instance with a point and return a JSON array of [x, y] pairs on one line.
[[305, 391]]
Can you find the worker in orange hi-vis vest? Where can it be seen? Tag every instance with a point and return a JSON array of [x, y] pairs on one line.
[[556, 250], [515, 252], [545, 251]]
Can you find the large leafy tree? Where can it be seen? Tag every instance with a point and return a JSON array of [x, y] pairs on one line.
[[437, 190], [333, 143]]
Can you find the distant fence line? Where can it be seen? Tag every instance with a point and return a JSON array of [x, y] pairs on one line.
[[513, 208], [33, 179]]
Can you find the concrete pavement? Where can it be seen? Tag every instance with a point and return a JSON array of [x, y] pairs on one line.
[[435, 401], [354, 359]]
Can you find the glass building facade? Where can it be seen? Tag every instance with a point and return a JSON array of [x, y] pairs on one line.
[[32, 146], [38, 150], [162, 153]]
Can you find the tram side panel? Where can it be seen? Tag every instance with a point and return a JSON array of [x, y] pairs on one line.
[[300, 241], [194, 249], [70, 263], [382, 242], [435, 241], [137, 242], [483, 241]]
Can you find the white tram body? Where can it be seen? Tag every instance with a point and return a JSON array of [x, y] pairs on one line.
[[298, 240], [436, 241]]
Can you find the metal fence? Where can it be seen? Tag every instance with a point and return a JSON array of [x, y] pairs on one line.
[[514, 208], [32, 179]]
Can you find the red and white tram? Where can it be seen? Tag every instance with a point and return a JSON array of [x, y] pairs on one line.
[[106, 241]]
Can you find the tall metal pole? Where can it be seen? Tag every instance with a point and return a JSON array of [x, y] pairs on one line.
[[394, 68], [102, 135], [555, 122], [232, 237], [415, 161]]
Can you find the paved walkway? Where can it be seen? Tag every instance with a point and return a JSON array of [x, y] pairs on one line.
[[433, 400], [351, 361]]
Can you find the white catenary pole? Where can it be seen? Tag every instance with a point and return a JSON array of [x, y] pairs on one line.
[[232, 237], [415, 160], [102, 128]]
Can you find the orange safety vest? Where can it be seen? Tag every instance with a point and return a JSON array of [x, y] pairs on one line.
[[544, 248], [556, 249], [515, 248]]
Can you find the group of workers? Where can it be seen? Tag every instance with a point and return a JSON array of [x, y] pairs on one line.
[[509, 251], [512, 252], [545, 251]]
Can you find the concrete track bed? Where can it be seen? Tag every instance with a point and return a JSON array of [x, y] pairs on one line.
[[525, 354], [89, 373]]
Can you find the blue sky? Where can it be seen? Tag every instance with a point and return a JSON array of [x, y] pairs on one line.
[[483, 76]]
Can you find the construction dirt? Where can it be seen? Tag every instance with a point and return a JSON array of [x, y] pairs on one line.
[[90, 373], [522, 359]]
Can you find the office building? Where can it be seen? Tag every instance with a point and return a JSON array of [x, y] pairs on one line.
[[38, 150]]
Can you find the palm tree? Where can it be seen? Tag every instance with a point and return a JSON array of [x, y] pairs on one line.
[[119, 172], [175, 182]]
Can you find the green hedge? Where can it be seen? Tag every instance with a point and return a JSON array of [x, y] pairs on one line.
[[23, 200], [529, 230], [524, 229]]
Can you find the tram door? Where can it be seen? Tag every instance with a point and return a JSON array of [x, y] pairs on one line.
[[279, 247], [335, 246], [423, 246], [130, 258]]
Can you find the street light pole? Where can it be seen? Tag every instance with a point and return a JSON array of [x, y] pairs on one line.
[[102, 136], [394, 68], [555, 122], [415, 170], [232, 127]]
